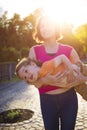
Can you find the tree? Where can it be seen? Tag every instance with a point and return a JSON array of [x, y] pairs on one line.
[[81, 35]]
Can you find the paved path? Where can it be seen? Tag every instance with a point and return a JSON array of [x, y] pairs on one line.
[[21, 95]]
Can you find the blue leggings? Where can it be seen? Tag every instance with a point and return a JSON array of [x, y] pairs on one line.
[[61, 107]]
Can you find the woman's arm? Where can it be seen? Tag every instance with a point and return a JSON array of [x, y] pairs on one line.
[[74, 57], [76, 60], [84, 69], [71, 79]]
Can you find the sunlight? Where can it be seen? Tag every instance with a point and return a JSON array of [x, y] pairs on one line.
[[68, 11]]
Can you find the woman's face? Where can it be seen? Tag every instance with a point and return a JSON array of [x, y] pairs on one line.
[[29, 73], [47, 28]]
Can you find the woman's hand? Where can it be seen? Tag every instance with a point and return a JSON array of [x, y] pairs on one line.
[[79, 78], [58, 79]]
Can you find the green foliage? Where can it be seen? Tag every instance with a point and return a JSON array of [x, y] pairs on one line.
[[16, 36], [16, 32], [24, 52], [13, 54], [15, 115], [81, 34], [12, 114], [9, 54], [9, 115]]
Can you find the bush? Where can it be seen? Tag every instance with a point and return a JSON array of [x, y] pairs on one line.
[[9, 54]]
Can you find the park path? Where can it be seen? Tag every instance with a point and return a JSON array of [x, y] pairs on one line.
[[22, 95]]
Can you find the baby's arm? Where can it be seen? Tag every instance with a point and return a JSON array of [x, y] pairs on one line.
[[63, 59]]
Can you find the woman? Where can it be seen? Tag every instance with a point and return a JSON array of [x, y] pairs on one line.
[[57, 104]]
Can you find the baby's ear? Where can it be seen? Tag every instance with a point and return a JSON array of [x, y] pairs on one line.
[[32, 63]]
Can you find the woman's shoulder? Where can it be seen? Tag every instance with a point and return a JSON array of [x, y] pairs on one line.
[[37, 46], [34, 50], [65, 45]]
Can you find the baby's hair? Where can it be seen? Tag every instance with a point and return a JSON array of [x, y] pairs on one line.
[[26, 61]]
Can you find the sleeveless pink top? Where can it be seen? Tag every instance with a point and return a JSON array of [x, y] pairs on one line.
[[43, 56]]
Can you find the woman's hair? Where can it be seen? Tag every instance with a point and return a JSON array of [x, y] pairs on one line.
[[26, 61], [37, 36]]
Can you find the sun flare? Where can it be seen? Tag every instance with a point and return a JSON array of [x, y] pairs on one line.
[[69, 11], [65, 11]]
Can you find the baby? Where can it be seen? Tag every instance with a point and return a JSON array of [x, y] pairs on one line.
[[31, 70]]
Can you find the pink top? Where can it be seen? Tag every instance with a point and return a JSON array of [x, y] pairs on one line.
[[43, 56]]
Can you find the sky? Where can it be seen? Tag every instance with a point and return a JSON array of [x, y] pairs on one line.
[[23, 7], [72, 11]]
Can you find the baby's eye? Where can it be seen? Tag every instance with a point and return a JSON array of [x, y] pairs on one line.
[[25, 71], [25, 77]]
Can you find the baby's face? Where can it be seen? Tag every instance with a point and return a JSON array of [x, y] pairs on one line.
[[29, 73]]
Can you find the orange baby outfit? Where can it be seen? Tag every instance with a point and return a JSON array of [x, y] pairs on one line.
[[49, 66]]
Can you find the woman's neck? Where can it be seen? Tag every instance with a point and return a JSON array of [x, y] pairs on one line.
[[51, 47], [50, 42]]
